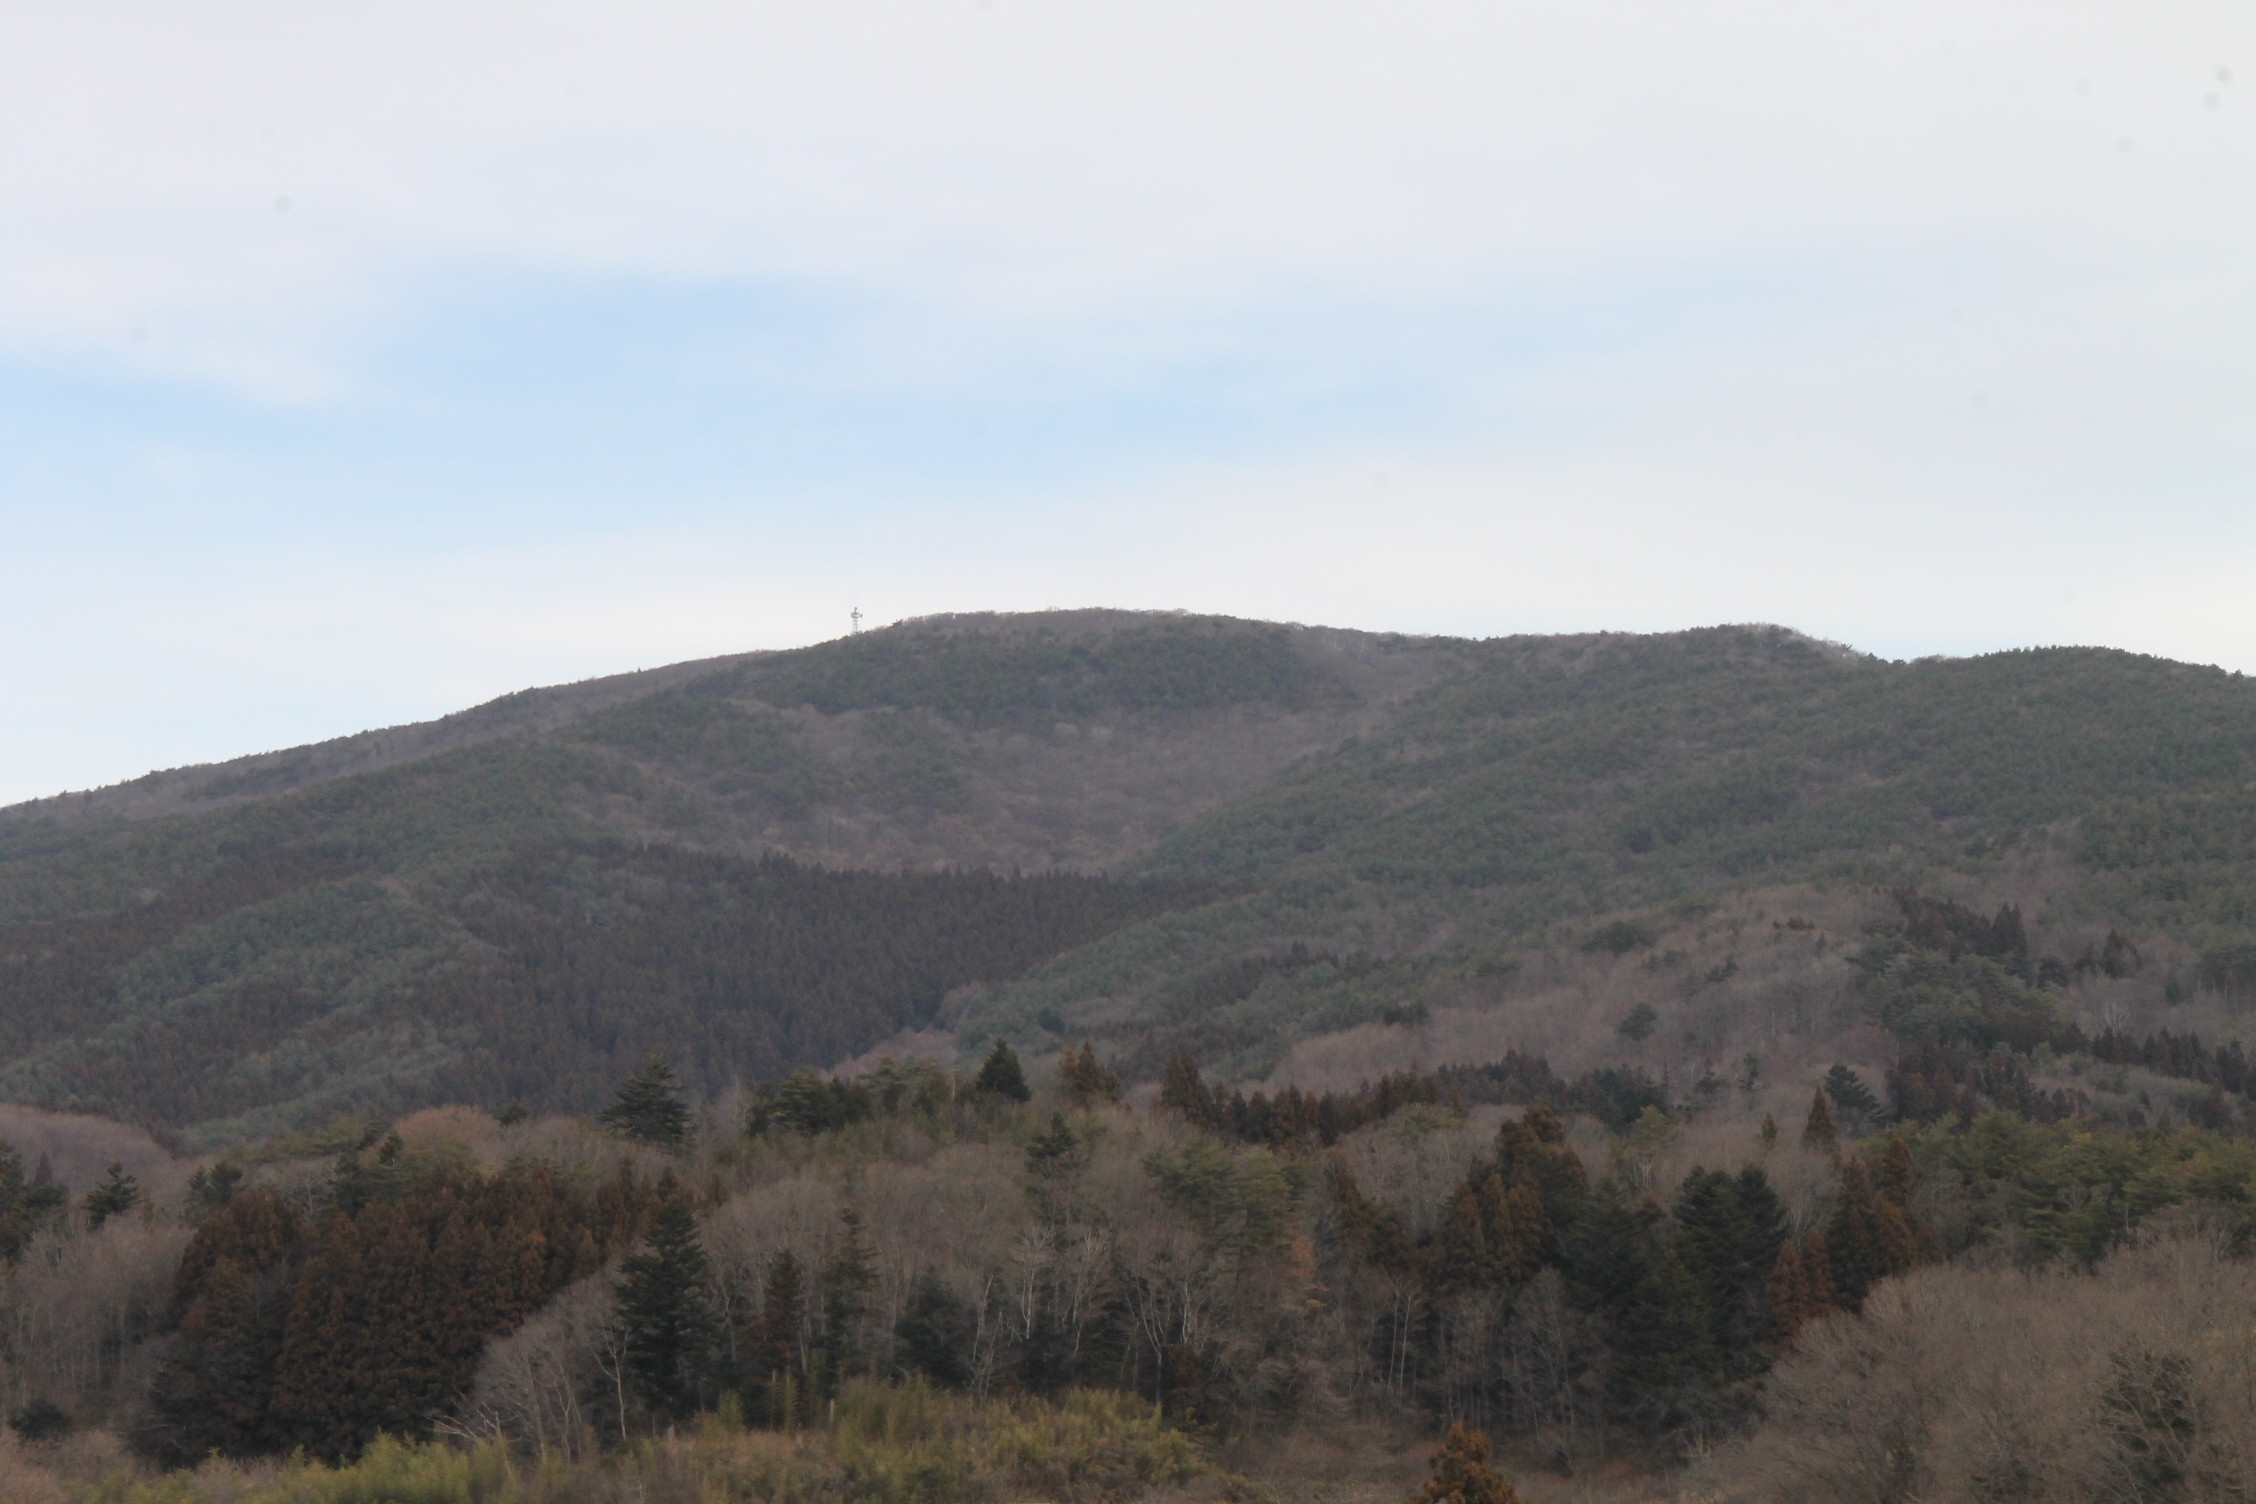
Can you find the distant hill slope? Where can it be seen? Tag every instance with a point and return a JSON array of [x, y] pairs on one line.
[[287, 936], [1591, 772], [521, 900], [1056, 739], [1556, 779]]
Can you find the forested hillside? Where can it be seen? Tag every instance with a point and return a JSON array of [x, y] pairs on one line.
[[1707, 1066], [1274, 836], [556, 886], [1558, 803]]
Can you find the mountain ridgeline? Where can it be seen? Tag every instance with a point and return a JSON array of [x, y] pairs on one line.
[[1161, 833]]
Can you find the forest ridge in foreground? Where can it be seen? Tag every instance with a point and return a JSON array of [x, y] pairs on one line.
[[1102, 1056]]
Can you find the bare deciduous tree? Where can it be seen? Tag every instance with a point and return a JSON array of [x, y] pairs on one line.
[[547, 1385], [2133, 1385], [74, 1306]]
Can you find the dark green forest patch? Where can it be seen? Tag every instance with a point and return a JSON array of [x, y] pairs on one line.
[[292, 979], [740, 970]]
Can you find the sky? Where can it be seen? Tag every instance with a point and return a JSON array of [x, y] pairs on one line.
[[358, 364]]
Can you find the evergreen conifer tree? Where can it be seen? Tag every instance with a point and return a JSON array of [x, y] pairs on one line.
[[1818, 1132], [1896, 1172], [1520, 1233], [1857, 1243], [1083, 1080], [1853, 1101], [1609, 1250], [2151, 1419], [935, 1332], [1817, 1272], [209, 1190], [1787, 1294], [1461, 1474], [1665, 1358], [1459, 1258], [666, 1310], [1533, 1152], [1183, 1090], [469, 1290], [1904, 1239], [848, 1279], [773, 1346], [1055, 1161], [118, 1193], [41, 1420], [403, 1379], [351, 1185], [1730, 1229], [323, 1372], [1375, 1229], [214, 1392], [24, 1205], [1799, 1290], [1510, 1247], [1001, 1075], [649, 1107]]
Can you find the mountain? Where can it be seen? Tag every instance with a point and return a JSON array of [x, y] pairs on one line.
[[1158, 831]]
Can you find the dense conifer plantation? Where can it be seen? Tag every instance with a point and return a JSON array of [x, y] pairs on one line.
[[321, 1331]]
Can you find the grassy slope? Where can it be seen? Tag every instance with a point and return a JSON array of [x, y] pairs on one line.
[[1450, 801]]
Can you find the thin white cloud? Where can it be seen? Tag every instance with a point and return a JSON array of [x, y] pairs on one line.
[[1041, 161]]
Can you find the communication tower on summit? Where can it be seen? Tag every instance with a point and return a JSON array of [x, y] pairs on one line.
[[857, 618]]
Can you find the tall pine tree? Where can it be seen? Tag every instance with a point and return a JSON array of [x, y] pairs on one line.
[[1867, 1239], [1083, 1080], [1730, 1229], [774, 1352], [667, 1312], [847, 1281], [1182, 1089], [1666, 1365], [1818, 1131], [1546, 1176], [1798, 1291], [936, 1331], [117, 1194], [324, 1373], [649, 1107], [1853, 1101], [1610, 1250], [1001, 1075]]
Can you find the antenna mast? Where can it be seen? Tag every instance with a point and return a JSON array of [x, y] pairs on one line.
[[857, 618]]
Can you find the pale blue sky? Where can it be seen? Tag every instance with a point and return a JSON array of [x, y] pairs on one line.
[[355, 368]]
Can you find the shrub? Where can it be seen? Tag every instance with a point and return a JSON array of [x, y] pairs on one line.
[[41, 1420]]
